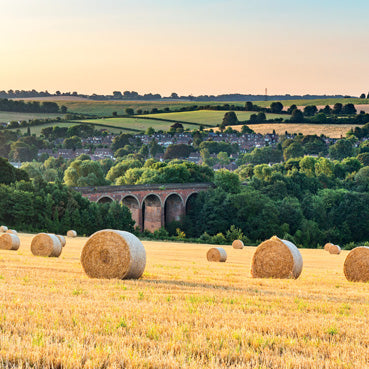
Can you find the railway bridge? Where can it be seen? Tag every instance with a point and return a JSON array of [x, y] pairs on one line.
[[152, 206]]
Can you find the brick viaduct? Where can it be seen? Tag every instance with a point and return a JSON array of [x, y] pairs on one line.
[[151, 206]]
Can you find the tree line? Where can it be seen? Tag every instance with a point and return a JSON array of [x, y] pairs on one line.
[[21, 106]]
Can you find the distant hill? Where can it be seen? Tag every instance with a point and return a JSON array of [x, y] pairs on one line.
[[134, 96]]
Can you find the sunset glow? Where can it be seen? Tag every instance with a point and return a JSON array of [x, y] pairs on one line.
[[186, 46]]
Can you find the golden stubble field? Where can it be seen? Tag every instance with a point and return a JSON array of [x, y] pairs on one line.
[[184, 313], [329, 130]]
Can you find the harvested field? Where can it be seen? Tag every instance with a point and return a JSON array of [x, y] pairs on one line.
[[183, 313], [330, 130]]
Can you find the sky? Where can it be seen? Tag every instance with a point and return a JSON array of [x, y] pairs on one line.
[[185, 46]]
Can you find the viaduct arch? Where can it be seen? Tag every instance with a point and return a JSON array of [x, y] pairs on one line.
[[151, 206]]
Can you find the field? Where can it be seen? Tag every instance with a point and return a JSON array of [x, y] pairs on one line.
[[6, 116], [183, 313], [106, 108], [194, 118], [211, 117], [133, 124], [317, 102], [329, 130]]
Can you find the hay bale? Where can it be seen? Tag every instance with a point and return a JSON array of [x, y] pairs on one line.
[[3, 229], [356, 267], [71, 233], [9, 241], [61, 239], [217, 254], [276, 258], [11, 231], [113, 254], [46, 244], [327, 246], [237, 244], [335, 249]]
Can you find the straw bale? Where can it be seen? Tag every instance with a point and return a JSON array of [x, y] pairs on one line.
[[9, 241], [238, 244], [12, 231], [276, 258], [71, 233], [335, 249], [327, 246], [61, 239], [217, 254], [46, 244], [356, 267], [3, 229], [113, 254]]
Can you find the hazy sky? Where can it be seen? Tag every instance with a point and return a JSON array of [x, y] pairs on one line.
[[186, 46]]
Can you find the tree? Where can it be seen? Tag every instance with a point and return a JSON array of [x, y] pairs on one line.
[[276, 107], [349, 109], [295, 150], [362, 178], [230, 119], [84, 173], [249, 106], [324, 166], [291, 108], [120, 168], [337, 108], [223, 158], [227, 181], [310, 110], [362, 96], [364, 158], [21, 151], [120, 141], [155, 148], [307, 166], [177, 151], [72, 143], [117, 95], [246, 129], [129, 111], [253, 119], [297, 116], [327, 110], [341, 149], [150, 131], [261, 117]]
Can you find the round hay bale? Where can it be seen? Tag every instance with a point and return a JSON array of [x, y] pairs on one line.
[[71, 233], [335, 249], [327, 246], [3, 229], [237, 244], [46, 244], [276, 258], [12, 231], [217, 254], [9, 241], [113, 254], [61, 239], [356, 266]]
